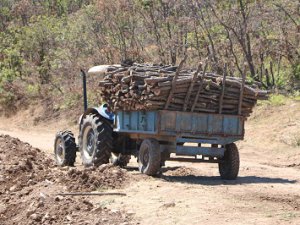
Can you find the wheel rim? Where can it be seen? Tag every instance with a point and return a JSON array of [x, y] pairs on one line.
[[88, 142], [144, 158], [60, 150]]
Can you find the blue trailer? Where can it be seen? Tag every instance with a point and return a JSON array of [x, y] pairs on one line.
[[204, 137], [152, 136]]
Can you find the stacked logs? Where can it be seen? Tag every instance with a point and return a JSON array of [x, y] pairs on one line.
[[155, 87]]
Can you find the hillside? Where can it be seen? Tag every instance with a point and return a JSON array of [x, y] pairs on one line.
[[44, 44]]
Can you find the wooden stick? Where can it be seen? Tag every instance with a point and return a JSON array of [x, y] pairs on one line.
[[200, 88], [90, 193], [174, 81], [223, 88], [242, 92], [187, 97]]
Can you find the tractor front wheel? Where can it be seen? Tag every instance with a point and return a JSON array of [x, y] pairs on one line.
[[65, 148]]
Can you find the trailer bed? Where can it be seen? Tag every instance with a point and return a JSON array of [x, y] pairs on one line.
[[180, 124]]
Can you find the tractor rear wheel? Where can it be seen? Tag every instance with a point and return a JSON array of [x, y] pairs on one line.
[[230, 164], [65, 148], [149, 157], [95, 140]]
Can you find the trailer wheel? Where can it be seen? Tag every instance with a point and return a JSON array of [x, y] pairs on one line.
[[95, 140], [229, 167], [149, 157], [120, 159], [65, 148]]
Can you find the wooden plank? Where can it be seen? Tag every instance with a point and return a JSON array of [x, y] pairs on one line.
[[223, 89], [174, 81]]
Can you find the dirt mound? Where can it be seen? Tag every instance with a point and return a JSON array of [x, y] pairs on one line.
[[40, 208], [181, 171], [21, 165], [90, 179], [30, 184], [292, 201]]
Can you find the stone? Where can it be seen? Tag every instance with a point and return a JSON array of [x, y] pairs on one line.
[[115, 211], [35, 217], [13, 188], [69, 218], [168, 205], [30, 212], [58, 198]]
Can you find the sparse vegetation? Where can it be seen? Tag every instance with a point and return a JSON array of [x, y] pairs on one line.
[[277, 99], [297, 141], [43, 44], [280, 99]]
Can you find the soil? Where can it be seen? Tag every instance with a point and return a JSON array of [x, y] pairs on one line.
[[267, 190], [30, 185]]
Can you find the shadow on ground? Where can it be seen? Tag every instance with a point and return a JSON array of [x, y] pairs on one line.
[[216, 180]]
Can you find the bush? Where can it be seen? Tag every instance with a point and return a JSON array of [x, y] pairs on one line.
[[70, 101], [6, 98], [277, 99], [274, 100]]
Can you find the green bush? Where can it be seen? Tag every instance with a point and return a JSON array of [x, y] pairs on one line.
[[70, 101], [296, 95], [33, 89], [277, 99], [6, 98]]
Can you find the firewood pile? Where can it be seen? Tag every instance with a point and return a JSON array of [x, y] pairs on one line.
[[156, 87]]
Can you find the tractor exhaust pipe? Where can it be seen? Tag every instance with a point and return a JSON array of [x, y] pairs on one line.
[[85, 102]]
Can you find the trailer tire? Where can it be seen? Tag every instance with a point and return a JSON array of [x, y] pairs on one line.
[[229, 167], [149, 157], [95, 140], [120, 159], [65, 148]]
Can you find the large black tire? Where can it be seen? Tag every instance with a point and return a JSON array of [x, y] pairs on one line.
[[149, 157], [95, 140], [120, 159], [230, 164], [65, 148]]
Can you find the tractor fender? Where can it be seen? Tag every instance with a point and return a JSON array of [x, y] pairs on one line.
[[101, 111]]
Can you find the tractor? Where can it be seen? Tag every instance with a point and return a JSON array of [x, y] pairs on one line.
[[151, 137]]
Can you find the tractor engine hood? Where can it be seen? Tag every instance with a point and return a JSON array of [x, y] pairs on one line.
[[100, 70]]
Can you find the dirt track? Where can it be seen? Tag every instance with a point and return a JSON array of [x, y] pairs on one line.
[[266, 192]]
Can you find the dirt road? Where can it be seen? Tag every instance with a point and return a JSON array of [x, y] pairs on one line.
[[266, 192]]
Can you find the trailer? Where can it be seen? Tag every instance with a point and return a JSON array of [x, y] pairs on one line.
[[152, 136], [192, 137]]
